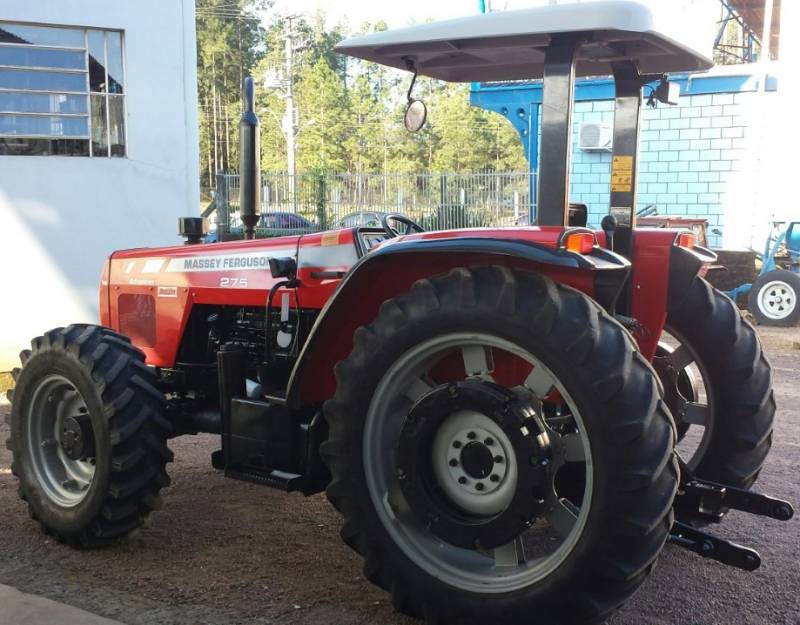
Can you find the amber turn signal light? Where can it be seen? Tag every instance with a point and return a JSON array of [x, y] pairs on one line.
[[581, 242], [686, 239]]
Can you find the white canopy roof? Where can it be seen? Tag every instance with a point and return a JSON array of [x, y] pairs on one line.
[[509, 45]]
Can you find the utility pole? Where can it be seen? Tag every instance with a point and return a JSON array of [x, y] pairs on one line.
[[290, 116], [284, 82]]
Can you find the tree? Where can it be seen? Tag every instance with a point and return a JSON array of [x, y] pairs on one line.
[[230, 41], [350, 111], [323, 103]]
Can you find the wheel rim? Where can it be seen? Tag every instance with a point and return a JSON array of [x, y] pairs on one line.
[[696, 409], [777, 299], [534, 554], [56, 405]]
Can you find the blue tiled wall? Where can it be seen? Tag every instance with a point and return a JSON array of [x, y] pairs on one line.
[[688, 154], [691, 156]]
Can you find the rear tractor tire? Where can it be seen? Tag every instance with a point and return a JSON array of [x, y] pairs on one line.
[[736, 409], [88, 439], [500, 452]]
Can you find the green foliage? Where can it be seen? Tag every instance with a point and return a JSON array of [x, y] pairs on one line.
[[230, 42], [350, 111]]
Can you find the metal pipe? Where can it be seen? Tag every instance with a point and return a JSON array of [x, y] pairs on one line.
[[249, 162]]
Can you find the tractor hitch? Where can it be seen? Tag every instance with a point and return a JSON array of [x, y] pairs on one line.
[[705, 501], [708, 501], [710, 546]]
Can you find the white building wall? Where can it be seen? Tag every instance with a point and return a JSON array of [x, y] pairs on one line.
[[60, 217]]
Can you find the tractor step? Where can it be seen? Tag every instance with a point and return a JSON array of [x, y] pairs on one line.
[[288, 482], [710, 546]]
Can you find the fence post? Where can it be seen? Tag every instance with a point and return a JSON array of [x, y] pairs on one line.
[[336, 200], [320, 201], [516, 206], [441, 217], [223, 206]]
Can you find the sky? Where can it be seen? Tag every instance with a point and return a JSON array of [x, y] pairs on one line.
[[399, 13], [395, 13]]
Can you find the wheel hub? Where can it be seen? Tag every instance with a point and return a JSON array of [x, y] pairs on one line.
[[60, 440], [477, 460], [72, 440], [776, 300], [472, 463]]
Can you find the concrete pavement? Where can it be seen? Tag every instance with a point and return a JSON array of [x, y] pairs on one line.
[[19, 608]]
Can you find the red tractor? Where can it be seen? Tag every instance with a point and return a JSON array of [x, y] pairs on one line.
[[494, 412]]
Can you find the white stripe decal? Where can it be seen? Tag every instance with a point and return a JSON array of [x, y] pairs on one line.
[[246, 261], [153, 265], [328, 256]]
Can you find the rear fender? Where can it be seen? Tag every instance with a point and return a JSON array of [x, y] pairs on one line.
[[392, 269], [663, 271]]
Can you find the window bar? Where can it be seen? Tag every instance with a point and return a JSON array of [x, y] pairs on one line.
[[124, 95], [88, 87], [107, 99]]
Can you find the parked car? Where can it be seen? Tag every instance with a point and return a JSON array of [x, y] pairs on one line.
[[368, 219], [280, 224], [272, 223]]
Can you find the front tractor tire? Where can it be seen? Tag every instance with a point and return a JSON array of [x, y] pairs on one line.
[[87, 435], [500, 452]]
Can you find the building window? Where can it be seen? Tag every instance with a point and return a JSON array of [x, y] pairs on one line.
[[62, 91]]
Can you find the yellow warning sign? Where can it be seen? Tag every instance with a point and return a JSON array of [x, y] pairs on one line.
[[622, 174]]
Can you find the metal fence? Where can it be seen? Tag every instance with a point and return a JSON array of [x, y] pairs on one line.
[[437, 201]]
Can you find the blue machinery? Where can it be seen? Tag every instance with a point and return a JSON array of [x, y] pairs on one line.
[[781, 238]]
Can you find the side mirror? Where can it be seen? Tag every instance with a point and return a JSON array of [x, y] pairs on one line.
[[416, 111], [667, 92], [416, 114]]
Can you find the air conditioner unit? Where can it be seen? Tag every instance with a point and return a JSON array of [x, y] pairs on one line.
[[595, 137]]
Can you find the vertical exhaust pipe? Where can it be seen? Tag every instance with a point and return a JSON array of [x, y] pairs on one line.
[[249, 162]]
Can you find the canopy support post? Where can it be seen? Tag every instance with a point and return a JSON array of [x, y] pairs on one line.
[[556, 142], [625, 154]]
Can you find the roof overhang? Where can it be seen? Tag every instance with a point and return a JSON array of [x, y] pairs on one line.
[[510, 45], [752, 12]]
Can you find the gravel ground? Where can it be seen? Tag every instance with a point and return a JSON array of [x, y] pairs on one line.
[[224, 552]]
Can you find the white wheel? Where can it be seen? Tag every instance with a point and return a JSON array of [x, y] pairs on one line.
[[773, 298]]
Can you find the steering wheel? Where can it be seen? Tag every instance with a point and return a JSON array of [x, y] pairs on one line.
[[410, 224]]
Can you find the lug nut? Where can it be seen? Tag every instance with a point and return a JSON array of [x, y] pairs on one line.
[[498, 459], [489, 441], [494, 477], [471, 436], [479, 486], [453, 462], [457, 444], [462, 480]]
